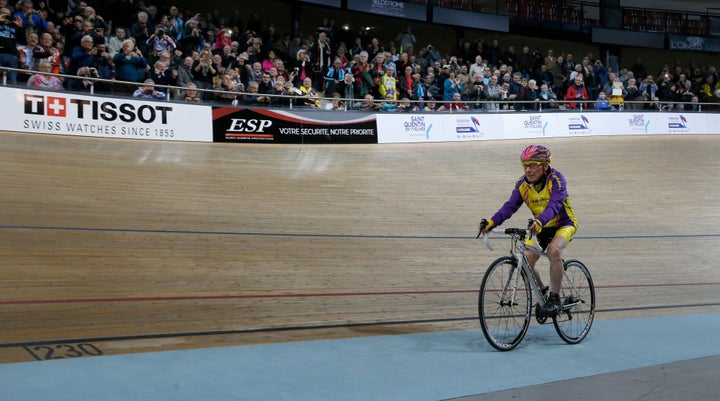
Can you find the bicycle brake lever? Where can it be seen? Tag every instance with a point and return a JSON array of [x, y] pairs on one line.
[[486, 240]]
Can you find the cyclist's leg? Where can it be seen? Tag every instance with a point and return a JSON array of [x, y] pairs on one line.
[[562, 237], [554, 252]]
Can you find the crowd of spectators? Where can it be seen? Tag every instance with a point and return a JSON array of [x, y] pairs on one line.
[[242, 60]]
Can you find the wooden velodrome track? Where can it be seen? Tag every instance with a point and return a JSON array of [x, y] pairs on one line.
[[124, 246]]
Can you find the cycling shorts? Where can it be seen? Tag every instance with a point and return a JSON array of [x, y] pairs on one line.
[[548, 233]]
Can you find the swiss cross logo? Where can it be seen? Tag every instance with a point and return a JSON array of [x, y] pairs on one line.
[[50, 106], [56, 106]]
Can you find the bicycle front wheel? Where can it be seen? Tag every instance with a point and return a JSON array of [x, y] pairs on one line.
[[578, 298], [505, 304]]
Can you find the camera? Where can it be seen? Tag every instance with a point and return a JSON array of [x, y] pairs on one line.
[[160, 32]]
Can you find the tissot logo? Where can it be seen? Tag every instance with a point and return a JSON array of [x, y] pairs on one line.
[[50, 106], [82, 109]]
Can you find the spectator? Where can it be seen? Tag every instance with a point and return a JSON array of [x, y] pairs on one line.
[[157, 43], [548, 99], [387, 85], [615, 92], [115, 42], [648, 87], [455, 104], [493, 91], [269, 60], [602, 102], [363, 79], [30, 21], [687, 93], [346, 89], [320, 57], [203, 71], [336, 103], [170, 28], [47, 52], [357, 47], [478, 67], [85, 55], [140, 31], [44, 79], [129, 66], [192, 38], [278, 93], [176, 19], [148, 91], [406, 86], [429, 56], [710, 90], [184, 73], [531, 94], [334, 75], [525, 62], [369, 104], [667, 92], [577, 93], [83, 83], [430, 106], [592, 81], [452, 85], [265, 84], [509, 58], [161, 76], [253, 97], [653, 104], [406, 40], [26, 52], [476, 91], [516, 90], [241, 68], [302, 65], [227, 90], [388, 104], [633, 95]]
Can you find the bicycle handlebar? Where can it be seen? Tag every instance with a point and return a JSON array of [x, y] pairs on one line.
[[519, 232]]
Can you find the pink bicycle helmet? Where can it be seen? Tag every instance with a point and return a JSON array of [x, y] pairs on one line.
[[537, 153]]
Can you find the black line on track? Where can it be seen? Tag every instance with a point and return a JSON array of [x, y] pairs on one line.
[[314, 327], [301, 235]]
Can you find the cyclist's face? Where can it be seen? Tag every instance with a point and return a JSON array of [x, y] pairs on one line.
[[533, 171]]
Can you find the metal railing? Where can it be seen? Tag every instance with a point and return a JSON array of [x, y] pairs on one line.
[[401, 105]]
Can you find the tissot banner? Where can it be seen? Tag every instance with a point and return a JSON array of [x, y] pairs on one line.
[[282, 126], [66, 113]]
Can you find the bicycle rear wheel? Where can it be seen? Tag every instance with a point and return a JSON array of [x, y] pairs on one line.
[[578, 298], [504, 304]]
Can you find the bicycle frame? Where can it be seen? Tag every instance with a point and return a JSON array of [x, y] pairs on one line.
[[506, 291], [518, 249]]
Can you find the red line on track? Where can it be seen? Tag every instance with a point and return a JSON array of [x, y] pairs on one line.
[[258, 296]]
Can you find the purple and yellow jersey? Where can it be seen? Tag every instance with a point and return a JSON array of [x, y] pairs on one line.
[[550, 203]]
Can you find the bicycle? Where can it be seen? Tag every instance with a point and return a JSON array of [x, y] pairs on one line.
[[506, 292]]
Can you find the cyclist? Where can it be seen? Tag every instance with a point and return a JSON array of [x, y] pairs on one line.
[[543, 189]]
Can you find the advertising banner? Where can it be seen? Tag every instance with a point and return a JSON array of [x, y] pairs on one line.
[[433, 127], [529, 125], [281, 126], [72, 114]]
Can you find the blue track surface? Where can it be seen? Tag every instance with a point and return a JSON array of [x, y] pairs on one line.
[[413, 367]]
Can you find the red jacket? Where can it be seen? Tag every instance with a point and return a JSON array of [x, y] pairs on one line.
[[572, 94]]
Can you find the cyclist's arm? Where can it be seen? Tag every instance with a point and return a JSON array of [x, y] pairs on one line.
[[508, 208], [558, 194]]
